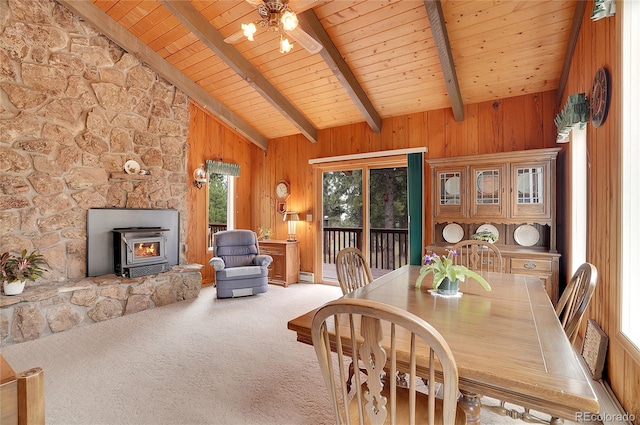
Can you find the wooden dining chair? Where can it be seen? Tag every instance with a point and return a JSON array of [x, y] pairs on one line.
[[353, 273], [353, 270], [477, 255], [576, 298], [385, 339]]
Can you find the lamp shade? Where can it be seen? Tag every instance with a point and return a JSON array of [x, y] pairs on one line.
[[291, 217]]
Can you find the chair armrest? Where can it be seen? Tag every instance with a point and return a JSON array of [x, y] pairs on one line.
[[217, 263], [262, 260]]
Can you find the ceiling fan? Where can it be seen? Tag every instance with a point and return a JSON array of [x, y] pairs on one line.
[[275, 15]]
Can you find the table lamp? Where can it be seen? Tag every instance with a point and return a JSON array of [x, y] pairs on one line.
[[291, 217]]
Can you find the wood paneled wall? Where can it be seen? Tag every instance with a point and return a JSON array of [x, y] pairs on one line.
[[517, 123], [210, 139], [599, 45], [524, 122]]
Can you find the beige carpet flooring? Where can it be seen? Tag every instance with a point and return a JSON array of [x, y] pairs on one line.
[[202, 361]]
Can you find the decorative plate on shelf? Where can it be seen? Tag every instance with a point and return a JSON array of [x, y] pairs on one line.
[[526, 235], [453, 233], [489, 228], [452, 186], [131, 167], [488, 184]]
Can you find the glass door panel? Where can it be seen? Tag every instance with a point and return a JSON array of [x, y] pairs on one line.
[[529, 185], [388, 220], [342, 212]]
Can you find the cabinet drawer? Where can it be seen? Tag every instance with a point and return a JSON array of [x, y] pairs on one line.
[[529, 265], [271, 250]]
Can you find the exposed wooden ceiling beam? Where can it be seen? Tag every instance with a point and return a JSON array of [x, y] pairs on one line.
[[211, 37], [441, 40], [311, 24], [119, 35], [581, 6]]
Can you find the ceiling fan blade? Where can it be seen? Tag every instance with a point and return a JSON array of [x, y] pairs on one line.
[[234, 38], [305, 40]]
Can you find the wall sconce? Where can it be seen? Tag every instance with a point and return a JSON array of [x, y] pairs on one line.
[[291, 217], [199, 177]]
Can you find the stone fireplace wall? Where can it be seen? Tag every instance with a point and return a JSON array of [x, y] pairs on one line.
[[74, 107]]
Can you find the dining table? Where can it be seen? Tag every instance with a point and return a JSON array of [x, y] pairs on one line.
[[507, 342]]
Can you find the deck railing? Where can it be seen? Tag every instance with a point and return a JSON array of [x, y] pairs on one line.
[[388, 248], [215, 228]]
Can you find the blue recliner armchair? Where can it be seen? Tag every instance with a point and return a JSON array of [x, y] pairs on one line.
[[240, 268]]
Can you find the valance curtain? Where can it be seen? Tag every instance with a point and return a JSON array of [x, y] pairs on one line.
[[575, 112], [226, 168]]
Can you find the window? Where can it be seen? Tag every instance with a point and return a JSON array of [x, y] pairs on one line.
[[578, 198], [630, 294], [220, 204]]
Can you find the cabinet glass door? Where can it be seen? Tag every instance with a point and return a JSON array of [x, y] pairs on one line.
[[488, 190], [450, 192], [530, 190], [529, 185]]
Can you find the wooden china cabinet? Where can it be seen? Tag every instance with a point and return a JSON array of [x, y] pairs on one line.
[[512, 194]]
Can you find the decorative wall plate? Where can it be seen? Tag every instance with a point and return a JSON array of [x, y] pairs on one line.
[[488, 184], [526, 235], [452, 186], [489, 228], [131, 167], [600, 95], [453, 233]]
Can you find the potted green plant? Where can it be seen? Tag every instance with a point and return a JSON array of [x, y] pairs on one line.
[[485, 236], [15, 270], [264, 233], [446, 275]]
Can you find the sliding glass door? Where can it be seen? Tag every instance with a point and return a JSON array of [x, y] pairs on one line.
[[365, 207]]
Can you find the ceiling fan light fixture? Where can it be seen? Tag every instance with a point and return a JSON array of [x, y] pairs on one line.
[[285, 46], [289, 20], [248, 30], [275, 16]]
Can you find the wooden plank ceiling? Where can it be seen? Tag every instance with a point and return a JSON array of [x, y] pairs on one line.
[[388, 51]]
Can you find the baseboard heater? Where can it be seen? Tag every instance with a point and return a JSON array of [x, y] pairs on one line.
[[306, 277], [611, 411]]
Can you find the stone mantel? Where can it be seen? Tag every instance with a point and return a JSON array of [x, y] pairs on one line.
[[48, 308]]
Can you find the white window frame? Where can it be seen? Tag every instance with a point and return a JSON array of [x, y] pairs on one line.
[[629, 293], [578, 198], [231, 222]]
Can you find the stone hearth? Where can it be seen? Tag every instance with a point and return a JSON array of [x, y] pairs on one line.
[[50, 308]]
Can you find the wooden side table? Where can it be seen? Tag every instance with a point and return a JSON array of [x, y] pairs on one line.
[[285, 268]]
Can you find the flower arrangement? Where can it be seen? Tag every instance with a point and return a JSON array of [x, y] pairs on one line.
[[22, 267], [442, 267], [485, 236], [264, 232]]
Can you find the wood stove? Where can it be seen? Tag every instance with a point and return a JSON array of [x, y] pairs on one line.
[[140, 251]]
